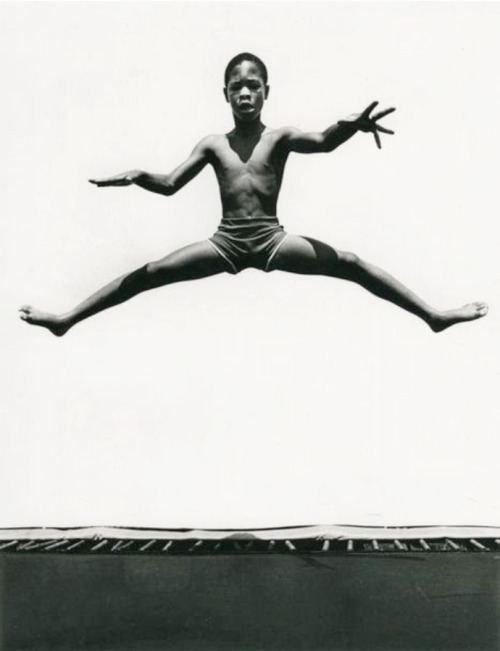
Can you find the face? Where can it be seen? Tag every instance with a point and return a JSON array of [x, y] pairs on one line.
[[246, 91]]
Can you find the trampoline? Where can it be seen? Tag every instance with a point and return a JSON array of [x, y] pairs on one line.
[[304, 588]]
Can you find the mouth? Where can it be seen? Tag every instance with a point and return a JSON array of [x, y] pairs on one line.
[[245, 105]]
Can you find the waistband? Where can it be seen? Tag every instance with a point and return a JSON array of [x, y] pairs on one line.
[[248, 225]]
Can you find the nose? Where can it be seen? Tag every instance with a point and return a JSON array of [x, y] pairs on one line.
[[244, 92]]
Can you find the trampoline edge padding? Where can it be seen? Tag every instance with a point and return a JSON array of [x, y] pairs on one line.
[[323, 532]]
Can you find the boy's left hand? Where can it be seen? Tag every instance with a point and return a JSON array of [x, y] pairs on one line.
[[364, 122]]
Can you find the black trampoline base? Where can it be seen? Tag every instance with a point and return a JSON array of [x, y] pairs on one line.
[[424, 601]]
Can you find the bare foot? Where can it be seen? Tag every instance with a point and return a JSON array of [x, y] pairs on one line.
[[469, 312], [52, 322]]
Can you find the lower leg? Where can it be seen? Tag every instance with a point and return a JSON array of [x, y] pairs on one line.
[[385, 286], [306, 255], [112, 294], [189, 263]]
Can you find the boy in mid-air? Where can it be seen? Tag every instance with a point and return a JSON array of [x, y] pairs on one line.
[[249, 162]]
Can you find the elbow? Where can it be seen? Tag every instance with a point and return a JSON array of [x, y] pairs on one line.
[[137, 176], [169, 188], [329, 147], [332, 140], [155, 183], [327, 143]]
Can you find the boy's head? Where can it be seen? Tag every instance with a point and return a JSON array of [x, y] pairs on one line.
[[245, 85], [245, 56]]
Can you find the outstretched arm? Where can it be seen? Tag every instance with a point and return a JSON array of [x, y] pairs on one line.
[[331, 138], [167, 184]]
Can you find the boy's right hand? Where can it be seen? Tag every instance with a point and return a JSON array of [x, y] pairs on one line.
[[368, 123], [127, 178]]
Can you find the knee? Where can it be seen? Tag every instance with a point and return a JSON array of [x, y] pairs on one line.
[[152, 269], [135, 282], [158, 271], [350, 259], [162, 272], [351, 263]]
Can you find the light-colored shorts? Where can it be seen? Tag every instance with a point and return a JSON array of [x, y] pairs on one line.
[[248, 242]]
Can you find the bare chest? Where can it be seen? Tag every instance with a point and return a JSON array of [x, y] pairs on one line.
[[243, 156]]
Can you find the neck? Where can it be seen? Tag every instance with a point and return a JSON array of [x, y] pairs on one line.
[[252, 128]]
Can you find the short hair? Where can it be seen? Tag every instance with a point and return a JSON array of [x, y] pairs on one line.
[[245, 56]]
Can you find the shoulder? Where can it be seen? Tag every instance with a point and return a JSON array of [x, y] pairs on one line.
[[286, 135], [208, 145], [283, 133]]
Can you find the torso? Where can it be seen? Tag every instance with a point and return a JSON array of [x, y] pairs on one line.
[[249, 172]]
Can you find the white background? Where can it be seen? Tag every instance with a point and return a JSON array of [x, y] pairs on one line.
[[256, 400]]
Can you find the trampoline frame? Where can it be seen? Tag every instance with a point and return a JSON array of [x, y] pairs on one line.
[[298, 540]]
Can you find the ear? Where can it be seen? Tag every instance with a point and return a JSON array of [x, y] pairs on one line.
[[266, 92], [224, 90]]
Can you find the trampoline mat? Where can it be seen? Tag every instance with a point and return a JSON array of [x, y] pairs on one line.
[[272, 602]]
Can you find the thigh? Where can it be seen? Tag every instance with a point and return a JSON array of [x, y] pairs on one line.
[[194, 261], [304, 255]]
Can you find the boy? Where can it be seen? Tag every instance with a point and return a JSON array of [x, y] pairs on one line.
[[249, 162]]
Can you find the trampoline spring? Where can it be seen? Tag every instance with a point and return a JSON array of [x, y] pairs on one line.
[[126, 545], [40, 544], [399, 545], [478, 545], [25, 546], [99, 545], [197, 545], [9, 544], [149, 544], [272, 544], [166, 547], [375, 545], [117, 546], [424, 545], [79, 543], [57, 543], [290, 545], [452, 544], [217, 546], [350, 545], [326, 546], [497, 540]]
